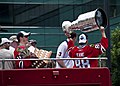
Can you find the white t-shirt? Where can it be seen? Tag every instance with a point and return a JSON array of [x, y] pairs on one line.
[[63, 53], [6, 54], [31, 49], [12, 49]]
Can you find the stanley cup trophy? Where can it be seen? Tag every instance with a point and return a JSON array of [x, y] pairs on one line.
[[89, 21]]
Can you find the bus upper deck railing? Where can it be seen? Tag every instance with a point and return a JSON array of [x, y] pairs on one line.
[[85, 58], [54, 59]]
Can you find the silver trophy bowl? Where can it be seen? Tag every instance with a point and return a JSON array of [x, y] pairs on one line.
[[90, 21]]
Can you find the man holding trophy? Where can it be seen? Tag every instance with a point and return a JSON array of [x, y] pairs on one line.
[[88, 22], [88, 51]]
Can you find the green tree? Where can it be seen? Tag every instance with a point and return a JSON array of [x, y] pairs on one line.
[[115, 56]]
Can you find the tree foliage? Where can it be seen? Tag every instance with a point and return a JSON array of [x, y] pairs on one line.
[[115, 56]]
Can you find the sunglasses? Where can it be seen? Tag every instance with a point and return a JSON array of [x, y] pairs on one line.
[[7, 43], [26, 36]]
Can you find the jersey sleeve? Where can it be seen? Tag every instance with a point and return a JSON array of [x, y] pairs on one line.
[[62, 49], [104, 44], [99, 48], [72, 52], [70, 44]]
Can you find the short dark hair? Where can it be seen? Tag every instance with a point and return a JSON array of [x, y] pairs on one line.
[[19, 35], [72, 35]]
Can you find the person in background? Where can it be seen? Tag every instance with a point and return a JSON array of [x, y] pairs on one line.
[[22, 52], [33, 46], [5, 54], [88, 51], [62, 51], [13, 43]]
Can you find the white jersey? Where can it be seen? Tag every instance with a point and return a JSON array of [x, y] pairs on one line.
[[63, 53]]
